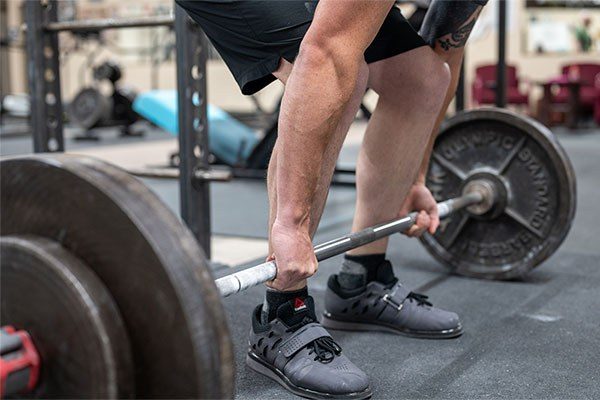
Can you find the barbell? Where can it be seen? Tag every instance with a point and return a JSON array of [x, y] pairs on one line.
[[118, 300], [240, 281]]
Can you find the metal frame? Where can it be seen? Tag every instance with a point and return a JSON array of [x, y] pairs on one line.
[[43, 70], [501, 64], [459, 99], [44, 77], [193, 127], [110, 23]]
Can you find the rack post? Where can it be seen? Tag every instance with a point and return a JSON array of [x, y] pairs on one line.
[[43, 76], [193, 127], [501, 66]]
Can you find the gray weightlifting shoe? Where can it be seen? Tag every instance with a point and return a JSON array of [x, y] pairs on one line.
[[389, 308], [301, 355]]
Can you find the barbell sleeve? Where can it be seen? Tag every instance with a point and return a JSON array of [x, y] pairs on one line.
[[242, 280]]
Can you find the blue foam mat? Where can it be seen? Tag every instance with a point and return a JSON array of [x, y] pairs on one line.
[[230, 140]]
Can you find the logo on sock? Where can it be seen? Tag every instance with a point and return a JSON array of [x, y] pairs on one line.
[[299, 304]]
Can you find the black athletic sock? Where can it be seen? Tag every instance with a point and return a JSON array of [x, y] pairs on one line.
[[357, 271], [275, 298]]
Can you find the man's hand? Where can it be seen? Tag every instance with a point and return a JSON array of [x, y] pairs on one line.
[[293, 252], [420, 199]]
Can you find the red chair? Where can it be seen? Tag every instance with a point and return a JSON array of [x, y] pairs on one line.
[[597, 105], [483, 89], [584, 73], [587, 78]]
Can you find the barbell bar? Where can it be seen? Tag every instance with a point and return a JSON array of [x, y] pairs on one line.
[[253, 276]]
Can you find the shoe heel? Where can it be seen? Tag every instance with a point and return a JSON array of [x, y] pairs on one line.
[[257, 366]]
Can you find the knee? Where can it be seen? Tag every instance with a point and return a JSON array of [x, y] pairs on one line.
[[441, 79], [427, 85], [432, 86]]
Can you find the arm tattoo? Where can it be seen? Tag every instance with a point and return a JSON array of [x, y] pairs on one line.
[[459, 38]]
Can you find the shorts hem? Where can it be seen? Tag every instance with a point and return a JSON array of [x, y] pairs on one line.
[[260, 75], [383, 50]]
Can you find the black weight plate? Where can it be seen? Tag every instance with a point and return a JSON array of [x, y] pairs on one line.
[[90, 108], [144, 255], [524, 157], [72, 319]]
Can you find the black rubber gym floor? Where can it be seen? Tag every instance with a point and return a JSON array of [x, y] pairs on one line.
[[535, 338]]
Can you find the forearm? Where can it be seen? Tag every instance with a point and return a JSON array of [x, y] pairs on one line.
[[316, 94]]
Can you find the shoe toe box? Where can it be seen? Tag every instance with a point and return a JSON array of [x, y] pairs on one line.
[[340, 376]]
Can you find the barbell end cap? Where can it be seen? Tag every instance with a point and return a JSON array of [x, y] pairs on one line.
[[228, 285], [247, 278]]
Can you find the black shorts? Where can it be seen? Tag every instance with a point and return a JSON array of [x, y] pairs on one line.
[[253, 35]]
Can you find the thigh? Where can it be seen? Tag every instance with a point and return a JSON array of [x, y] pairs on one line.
[[402, 74]]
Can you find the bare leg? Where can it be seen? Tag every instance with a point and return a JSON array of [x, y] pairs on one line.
[[411, 90], [451, 48]]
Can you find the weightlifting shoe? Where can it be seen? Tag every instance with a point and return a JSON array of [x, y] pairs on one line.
[[389, 308], [298, 353]]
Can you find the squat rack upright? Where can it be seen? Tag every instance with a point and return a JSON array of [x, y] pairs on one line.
[[43, 74]]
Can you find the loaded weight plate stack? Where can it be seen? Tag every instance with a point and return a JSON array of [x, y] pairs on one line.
[[144, 256], [533, 183], [77, 327]]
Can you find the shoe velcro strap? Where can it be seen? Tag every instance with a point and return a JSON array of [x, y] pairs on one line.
[[396, 296], [302, 337]]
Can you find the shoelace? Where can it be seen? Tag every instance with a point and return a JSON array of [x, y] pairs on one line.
[[325, 348], [421, 299]]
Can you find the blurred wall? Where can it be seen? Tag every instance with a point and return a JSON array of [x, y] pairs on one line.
[[482, 49], [130, 47]]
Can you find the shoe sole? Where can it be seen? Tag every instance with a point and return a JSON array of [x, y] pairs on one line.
[[336, 324], [256, 364]]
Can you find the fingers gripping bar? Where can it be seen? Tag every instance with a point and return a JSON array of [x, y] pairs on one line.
[[267, 271]]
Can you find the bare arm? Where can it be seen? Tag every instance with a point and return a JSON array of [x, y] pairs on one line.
[[320, 85]]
